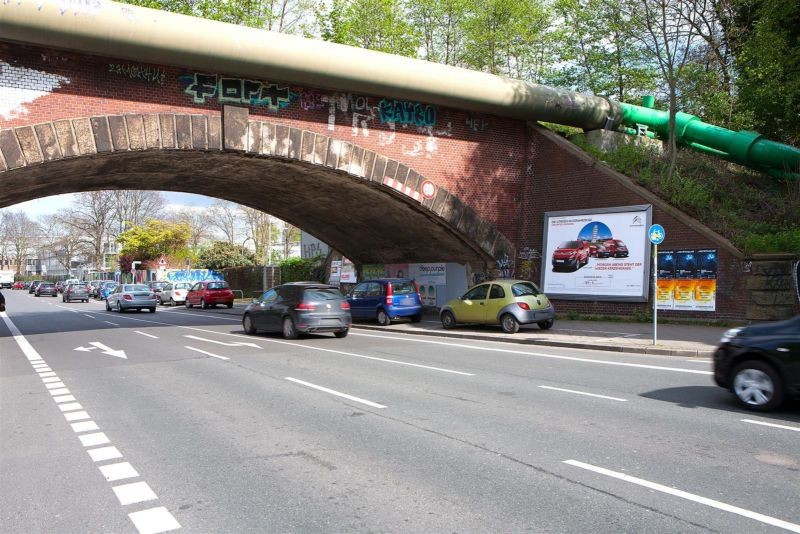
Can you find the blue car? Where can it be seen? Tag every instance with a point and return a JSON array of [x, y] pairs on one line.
[[385, 299], [106, 289]]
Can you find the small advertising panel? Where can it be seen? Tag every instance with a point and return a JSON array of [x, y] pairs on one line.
[[428, 276], [687, 279], [336, 272], [600, 254], [348, 274]]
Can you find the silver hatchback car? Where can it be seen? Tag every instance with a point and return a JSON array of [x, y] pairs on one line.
[[132, 297], [75, 292]]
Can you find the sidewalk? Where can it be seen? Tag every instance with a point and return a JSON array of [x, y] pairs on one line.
[[673, 340]]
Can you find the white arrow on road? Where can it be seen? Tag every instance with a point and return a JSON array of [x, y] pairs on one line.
[[104, 349], [235, 344]]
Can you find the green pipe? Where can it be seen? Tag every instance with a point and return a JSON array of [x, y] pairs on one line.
[[745, 148]]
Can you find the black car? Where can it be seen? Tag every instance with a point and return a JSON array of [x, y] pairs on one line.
[[760, 364], [46, 289], [297, 308]]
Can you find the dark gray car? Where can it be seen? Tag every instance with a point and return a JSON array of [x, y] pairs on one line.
[[297, 308], [75, 292], [132, 297]]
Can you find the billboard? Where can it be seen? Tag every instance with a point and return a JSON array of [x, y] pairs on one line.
[[597, 254], [687, 280]]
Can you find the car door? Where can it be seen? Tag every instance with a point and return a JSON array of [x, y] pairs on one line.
[[358, 300], [472, 306], [261, 311], [496, 302], [193, 296]]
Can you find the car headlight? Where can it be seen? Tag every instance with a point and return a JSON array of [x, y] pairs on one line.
[[729, 335]]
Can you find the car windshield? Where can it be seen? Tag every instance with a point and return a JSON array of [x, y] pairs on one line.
[[77, 286], [182, 285], [403, 288], [522, 289], [569, 244], [322, 293], [217, 285], [136, 287]]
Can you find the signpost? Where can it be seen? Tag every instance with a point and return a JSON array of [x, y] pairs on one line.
[[656, 233]]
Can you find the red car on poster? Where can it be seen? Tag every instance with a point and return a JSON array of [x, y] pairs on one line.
[[616, 248], [209, 293], [571, 255]]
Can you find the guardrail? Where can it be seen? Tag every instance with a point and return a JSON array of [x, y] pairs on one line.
[[234, 291]]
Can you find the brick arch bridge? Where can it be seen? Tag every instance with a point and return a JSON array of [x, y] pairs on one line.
[[372, 208]]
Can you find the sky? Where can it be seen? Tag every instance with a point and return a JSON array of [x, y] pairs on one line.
[[48, 205]]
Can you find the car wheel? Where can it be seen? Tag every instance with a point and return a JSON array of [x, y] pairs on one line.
[[416, 318], [63, 299], [161, 302], [119, 306], [171, 301], [153, 309], [187, 303], [383, 318], [448, 320], [341, 333], [203, 304], [757, 386], [546, 325], [247, 324], [108, 306], [230, 305], [289, 330], [509, 323]]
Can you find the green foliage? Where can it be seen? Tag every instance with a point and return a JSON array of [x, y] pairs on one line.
[[300, 269], [154, 239], [222, 254], [380, 25]]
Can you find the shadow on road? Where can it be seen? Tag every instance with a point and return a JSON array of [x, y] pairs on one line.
[[716, 398]]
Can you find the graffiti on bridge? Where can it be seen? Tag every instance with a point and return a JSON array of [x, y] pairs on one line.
[[405, 112], [192, 275], [236, 91], [137, 71]]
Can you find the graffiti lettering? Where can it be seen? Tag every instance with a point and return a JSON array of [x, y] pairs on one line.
[[506, 266], [134, 71], [527, 253], [404, 112], [477, 124], [236, 91]]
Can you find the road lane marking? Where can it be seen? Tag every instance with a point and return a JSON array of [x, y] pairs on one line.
[[112, 324], [234, 344], [145, 334], [89, 316], [150, 521], [584, 393], [207, 353], [337, 393], [65, 308], [773, 425], [689, 496], [204, 315], [154, 520], [133, 493], [698, 360], [49, 377], [119, 471], [540, 355], [398, 362]]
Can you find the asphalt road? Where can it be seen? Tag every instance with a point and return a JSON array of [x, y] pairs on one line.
[[202, 428]]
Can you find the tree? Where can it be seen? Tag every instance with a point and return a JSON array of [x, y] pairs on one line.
[[64, 241], [154, 239], [224, 216], [374, 24], [91, 215], [441, 27], [258, 224], [198, 222], [222, 254], [133, 208], [21, 233]]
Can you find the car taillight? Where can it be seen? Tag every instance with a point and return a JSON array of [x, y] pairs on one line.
[[523, 305], [345, 305], [127, 297], [153, 297], [389, 293], [305, 306]]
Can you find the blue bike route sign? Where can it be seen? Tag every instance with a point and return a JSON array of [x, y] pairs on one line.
[[656, 233]]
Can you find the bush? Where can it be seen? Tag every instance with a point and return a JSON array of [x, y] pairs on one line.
[[299, 269]]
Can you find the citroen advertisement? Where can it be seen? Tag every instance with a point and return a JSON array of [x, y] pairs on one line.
[[600, 254]]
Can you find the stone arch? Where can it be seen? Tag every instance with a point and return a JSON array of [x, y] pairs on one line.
[[297, 175]]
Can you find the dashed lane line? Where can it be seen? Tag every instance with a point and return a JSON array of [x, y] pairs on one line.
[[773, 425], [335, 393]]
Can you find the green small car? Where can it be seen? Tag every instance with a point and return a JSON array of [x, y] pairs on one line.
[[508, 303]]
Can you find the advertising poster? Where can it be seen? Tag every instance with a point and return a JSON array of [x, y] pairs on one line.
[[397, 270], [690, 276], [348, 273], [336, 272], [373, 270], [428, 276], [601, 254]]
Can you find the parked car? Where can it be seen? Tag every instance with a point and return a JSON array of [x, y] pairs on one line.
[[616, 248], [77, 291], [59, 286], [19, 284], [297, 308], [131, 297], [46, 289], [32, 287], [94, 287], [386, 299], [105, 290], [760, 364], [174, 293], [571, 255], [209, 293], [598, 250], [508, 303], [157, 287]]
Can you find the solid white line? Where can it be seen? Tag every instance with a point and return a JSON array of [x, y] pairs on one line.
[[76, 416], [337, 393], [119, 471], [204, 315], [104, 453], [540, 355], [784, 427], [689, 496], [85, 426], [24, 345], [583, 393], [145, 334], [133, 493], [154, 521], [90, 440], [207, 353], [266, 340], [697, 360]]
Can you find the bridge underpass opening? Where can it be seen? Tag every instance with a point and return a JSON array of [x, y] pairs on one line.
[[370, 215]]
